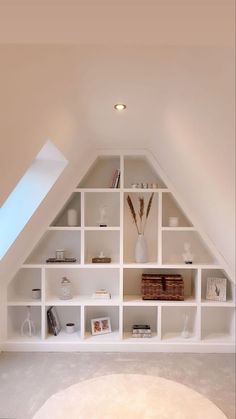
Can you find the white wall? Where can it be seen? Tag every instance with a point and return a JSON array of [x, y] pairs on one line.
[[180, 106]]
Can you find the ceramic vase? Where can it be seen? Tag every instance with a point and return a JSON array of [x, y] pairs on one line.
[[141, 253]]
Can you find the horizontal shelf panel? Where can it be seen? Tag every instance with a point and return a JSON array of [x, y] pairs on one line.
[[136, 300], [207, 303], [65, 228], [127, 337], [24, 302], [102, 228], [17, 337], [82, 300], [218, 338], [143, 190], [178, 228], [176, 337], [108, 190], [106, 337], [64, 337]]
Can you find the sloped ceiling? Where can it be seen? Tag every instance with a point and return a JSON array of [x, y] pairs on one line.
[[171, 62]]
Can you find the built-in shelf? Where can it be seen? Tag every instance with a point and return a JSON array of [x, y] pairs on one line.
[[211, 324]]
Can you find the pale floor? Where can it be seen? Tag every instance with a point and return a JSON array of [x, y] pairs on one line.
[[28, 379]]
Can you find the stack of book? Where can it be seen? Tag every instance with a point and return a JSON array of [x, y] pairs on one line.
[[101, 294], [116, 179], [141, 331]]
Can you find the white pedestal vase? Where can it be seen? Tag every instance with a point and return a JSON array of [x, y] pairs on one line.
[[141, 251]]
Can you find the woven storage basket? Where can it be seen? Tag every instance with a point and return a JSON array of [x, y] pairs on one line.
[[162, 287]]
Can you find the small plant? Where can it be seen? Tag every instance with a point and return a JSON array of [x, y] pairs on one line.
[[140, 220]]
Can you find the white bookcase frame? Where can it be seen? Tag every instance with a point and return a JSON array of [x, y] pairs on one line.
[[123, 309]]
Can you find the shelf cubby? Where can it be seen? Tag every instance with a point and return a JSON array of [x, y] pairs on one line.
[[20, 288], [100, 174], [66, 314], [170, 208], [140, 315], [132, 285], [99, 205], [16, 316], [130, 231], [217, 324], [94, 312], [230, 286], [173, 247], [84, 284], [62, 218], [69, 241], [138, 170], [104, 241], [172, 324]]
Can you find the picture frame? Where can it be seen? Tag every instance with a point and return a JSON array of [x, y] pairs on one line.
[[216, 289], [100, 326]]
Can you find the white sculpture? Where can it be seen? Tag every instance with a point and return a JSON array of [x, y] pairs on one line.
[[187, 255], [185, 332]]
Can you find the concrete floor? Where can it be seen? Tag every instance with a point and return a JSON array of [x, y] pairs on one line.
[[27, 380]]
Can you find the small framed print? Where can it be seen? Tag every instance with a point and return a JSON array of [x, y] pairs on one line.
[[216, 289], [100, 326]]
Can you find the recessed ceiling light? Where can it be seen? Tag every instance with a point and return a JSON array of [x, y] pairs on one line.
[[119, 106]]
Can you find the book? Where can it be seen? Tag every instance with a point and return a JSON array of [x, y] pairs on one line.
[[147, 331], [141, 326], [53, 321], [115, 179], [101, 294], [142, 335]]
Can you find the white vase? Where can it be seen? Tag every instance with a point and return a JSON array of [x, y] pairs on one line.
[[72, 217], [141, 252]]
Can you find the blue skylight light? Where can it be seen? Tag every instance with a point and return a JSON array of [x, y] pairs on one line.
[[29, 193]]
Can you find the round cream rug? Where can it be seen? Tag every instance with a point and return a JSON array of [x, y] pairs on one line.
[[128, 396]]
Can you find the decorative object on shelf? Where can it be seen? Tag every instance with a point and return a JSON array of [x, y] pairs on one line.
[[65, 290], [101, 259], [36, 293], [100, 326], [185, 332], [28, 326], [173, 221], [103, 216], [141, 331], [154, 185], [66, 260], [70, 328], [72, 217], [60, 254], [187, 255], [162, 287], [54, 325], [116, 179], [141, 252], [101, 294], [216, 289]]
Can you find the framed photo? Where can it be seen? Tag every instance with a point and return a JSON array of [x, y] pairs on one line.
[[100, 326], [216, 289]]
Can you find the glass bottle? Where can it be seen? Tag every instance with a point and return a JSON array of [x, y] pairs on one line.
[[65, 291]]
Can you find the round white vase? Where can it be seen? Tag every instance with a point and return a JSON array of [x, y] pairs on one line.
[[141, 251]]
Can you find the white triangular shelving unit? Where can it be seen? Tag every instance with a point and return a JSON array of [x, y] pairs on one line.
[[211, 323]]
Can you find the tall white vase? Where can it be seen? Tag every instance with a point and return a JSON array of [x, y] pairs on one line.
[[141, 251]]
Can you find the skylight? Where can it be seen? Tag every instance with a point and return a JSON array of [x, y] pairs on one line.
[[29, 193]]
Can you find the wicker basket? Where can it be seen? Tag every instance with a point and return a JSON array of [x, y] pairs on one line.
[[162, 287]]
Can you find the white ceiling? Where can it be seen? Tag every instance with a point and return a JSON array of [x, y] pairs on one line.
[[123, 22]]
